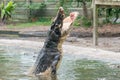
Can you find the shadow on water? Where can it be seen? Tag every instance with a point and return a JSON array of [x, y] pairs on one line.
[[15, 62]]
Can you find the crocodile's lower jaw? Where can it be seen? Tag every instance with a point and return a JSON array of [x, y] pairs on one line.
[[68, 21], [66, 28]]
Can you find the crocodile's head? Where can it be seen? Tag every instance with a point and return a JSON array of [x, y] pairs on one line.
[[60, 28]]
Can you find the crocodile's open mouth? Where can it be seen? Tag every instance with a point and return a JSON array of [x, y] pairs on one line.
[[61, 24]]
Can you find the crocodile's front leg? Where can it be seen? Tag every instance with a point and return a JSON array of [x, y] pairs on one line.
[[54, 63]]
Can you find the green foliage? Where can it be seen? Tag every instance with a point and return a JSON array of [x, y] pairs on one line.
[[6, 10], [61, 3], [83, 0], [36, 9], [65, 4], [27, 25], [77, 21], [44, 19], [83, 21], [111, 14], [37, 5], [86, 22]]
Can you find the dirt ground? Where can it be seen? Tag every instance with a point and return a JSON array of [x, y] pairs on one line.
[[109, 36]]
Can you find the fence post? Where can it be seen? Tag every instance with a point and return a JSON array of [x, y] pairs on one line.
[[95, 34]]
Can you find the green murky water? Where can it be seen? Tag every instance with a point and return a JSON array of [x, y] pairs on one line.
[[16, 61]]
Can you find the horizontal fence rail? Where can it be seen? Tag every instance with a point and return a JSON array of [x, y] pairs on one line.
[[108, 2], [22, 12]]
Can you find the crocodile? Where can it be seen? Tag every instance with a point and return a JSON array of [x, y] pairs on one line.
[[50, 55]]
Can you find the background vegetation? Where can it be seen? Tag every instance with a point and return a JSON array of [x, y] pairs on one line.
[[6, 10], [36, 9]]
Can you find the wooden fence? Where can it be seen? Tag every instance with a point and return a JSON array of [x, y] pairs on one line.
[[101, 3], [107, 2], [22, 12]]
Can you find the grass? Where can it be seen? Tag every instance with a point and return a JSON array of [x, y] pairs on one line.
[[46, 21], [39, 22], [30, 24]]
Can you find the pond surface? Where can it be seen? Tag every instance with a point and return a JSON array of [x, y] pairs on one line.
[[16, 61]]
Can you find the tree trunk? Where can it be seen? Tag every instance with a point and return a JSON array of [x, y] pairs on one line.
[[78, 3], [85, 11], [4, 19]]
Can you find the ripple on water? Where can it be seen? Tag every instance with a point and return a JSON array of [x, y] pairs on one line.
[[15, 62]]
